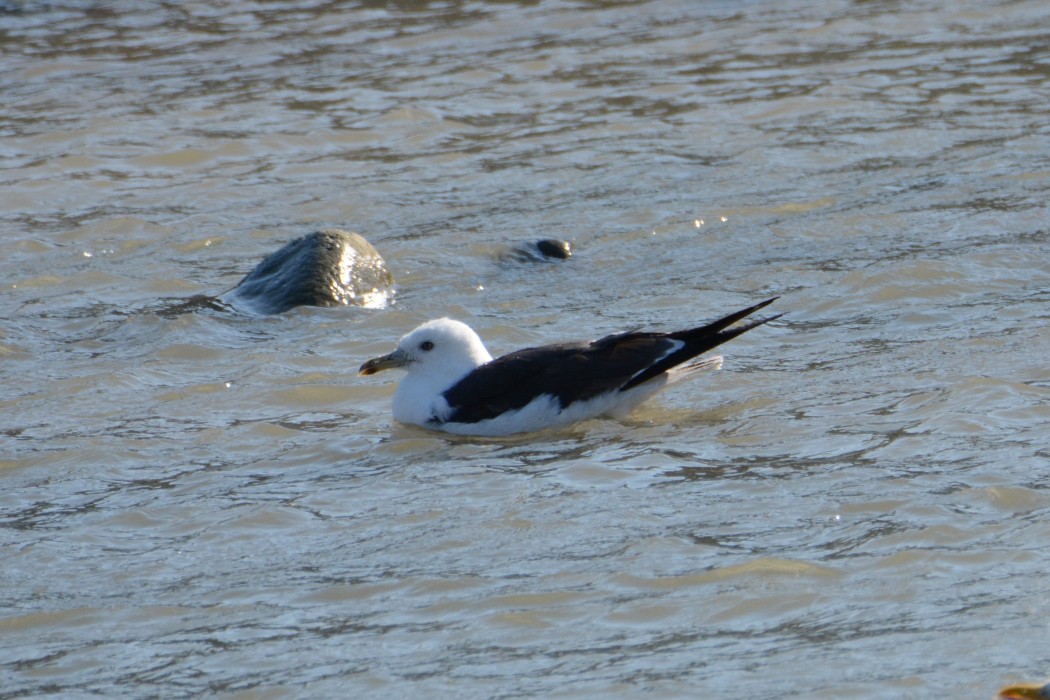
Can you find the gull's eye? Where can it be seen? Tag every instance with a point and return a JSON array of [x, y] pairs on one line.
[[426, 346]]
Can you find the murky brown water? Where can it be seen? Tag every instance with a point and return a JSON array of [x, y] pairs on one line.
[[857, 506]]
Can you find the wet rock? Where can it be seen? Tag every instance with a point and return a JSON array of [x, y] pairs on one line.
[[331, 267], [554, 249], [539, 251]]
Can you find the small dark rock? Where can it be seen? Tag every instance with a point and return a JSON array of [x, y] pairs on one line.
[[538, 251], [552, 248]]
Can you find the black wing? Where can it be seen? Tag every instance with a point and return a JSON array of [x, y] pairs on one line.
[[579, 371], [568, 372]]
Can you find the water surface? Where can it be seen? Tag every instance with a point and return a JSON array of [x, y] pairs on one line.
[[212, 504]]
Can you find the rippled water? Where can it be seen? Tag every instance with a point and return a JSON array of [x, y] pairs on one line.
[[857, 506]]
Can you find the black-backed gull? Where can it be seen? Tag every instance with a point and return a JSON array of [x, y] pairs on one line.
[[454, 385]]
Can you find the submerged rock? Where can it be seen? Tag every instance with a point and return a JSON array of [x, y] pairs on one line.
[[331, 267], [539, 251], [553, 248]]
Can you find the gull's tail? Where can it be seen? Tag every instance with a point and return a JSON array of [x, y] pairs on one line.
[[699, 340]]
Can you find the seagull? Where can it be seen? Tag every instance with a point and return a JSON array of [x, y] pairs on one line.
[[455, 386]]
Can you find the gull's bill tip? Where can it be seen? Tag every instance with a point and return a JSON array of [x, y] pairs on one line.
[[390, 361]]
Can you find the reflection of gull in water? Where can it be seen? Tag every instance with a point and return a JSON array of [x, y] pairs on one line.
[[453, 384]]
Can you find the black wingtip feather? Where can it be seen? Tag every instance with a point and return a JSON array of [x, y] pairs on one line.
[[700, 340], [723, 322]]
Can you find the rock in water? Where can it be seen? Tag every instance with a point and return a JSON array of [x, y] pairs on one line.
[[538, 251], [331, 267], [553, 248]]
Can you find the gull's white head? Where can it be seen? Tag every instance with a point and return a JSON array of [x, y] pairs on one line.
[[442, 347], [436, 355]]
